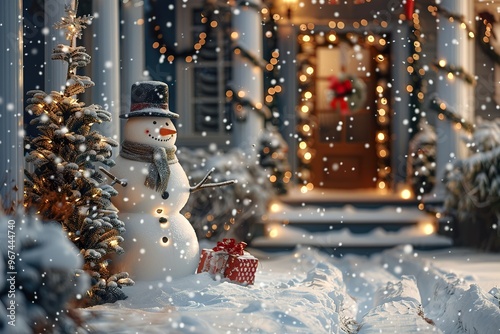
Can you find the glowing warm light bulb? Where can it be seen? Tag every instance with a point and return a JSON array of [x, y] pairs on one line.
[[405, 194], [275, 207], [380, 136], [428, 228], [273, 233]]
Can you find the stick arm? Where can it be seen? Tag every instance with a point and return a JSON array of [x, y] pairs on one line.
[[122, 182], [203, 185]]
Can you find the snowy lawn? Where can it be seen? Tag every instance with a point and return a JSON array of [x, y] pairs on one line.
[[307, 291]]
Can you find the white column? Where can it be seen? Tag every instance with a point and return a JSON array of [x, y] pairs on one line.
[[247, 77], [400, 137], [456, 49], [55, 71], [106, 63], [11, 103], [133, 50]]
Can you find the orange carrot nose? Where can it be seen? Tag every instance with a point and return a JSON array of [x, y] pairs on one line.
[[166, 132]]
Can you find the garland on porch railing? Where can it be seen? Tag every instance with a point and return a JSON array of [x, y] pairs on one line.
[[437, 104], [456, 71], [436, 10], [247, 54], [233, 96], [441, 106]]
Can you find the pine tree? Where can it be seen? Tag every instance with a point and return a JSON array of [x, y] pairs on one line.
[[64, 184], [422, 159], [473, 189]]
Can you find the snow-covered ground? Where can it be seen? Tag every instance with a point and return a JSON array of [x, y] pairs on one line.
[[307, 291]]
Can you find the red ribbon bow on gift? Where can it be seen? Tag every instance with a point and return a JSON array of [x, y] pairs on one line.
[[230, 246]]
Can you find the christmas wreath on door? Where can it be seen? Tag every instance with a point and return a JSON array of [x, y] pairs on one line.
[[346, 93]]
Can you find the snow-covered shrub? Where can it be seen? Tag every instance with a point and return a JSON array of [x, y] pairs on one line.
[[473, 186], [37, 278], [227, 211], [422, 159]]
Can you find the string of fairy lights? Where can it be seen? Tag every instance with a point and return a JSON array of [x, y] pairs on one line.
[[445, 112]]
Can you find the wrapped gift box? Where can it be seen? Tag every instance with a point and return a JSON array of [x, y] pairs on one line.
[[230, 261]]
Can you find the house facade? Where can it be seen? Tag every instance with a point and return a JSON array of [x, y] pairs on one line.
[[345, 82]]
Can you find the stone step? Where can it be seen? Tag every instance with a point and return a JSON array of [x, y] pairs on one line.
[[349, 229]]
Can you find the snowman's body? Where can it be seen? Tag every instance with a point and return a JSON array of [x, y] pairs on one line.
[[160, 243]]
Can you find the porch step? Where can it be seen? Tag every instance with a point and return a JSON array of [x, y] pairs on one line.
[[364, 226]]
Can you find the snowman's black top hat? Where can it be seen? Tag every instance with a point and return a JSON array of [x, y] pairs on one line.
[[149, 99]]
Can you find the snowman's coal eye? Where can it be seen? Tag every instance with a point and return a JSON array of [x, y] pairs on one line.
[[154, 122], [166, 123]]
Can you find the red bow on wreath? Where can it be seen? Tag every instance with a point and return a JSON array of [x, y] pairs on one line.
[[340, 89], [230, 246]]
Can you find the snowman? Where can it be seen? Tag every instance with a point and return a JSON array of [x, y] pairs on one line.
[[160, 242]]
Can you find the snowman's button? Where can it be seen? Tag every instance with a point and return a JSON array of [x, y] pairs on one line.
[[159, 210], [165, 195], [164, 240], [163, 220]]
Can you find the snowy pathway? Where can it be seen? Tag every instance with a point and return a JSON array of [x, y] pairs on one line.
[[307, 291]]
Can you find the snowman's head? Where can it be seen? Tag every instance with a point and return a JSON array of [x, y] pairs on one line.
[[155, 131]]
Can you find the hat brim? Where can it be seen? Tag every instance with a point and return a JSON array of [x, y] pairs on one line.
[[150, 112]]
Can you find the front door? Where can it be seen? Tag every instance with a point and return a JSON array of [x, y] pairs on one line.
[[344, 140]]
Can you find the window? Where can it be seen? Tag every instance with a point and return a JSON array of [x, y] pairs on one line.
[[203, 78]]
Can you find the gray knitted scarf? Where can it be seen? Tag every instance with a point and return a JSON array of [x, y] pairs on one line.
[[159, 159]]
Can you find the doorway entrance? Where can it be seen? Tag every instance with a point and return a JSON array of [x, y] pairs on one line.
[[349, 114], [345, 137]]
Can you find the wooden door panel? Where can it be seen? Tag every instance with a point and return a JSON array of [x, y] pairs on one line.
[[344, 144]]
